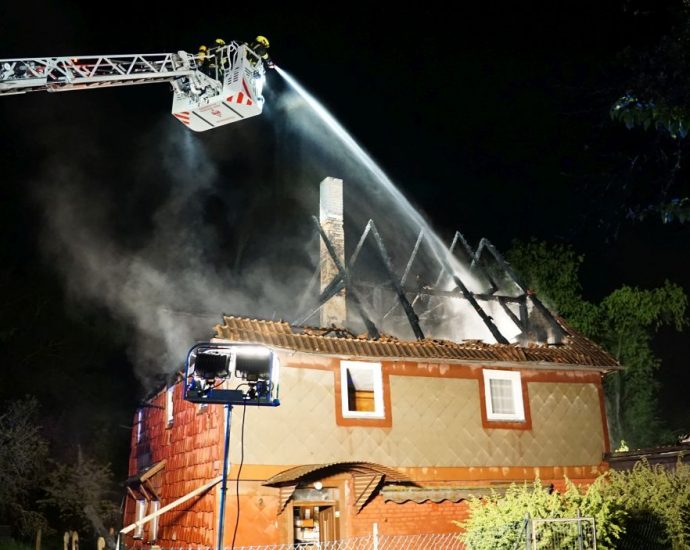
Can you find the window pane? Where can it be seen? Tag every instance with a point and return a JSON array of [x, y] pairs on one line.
[[502, 396], [360, 390], [361, 385]]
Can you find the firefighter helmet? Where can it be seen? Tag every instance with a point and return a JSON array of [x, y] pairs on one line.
[[220, 42], [263, 41], [202, 48]]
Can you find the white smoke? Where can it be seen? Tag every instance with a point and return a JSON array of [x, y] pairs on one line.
[[154, 255], [164, 285]]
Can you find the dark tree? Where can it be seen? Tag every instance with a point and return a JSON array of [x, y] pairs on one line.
[[23, 461], [624, 323]]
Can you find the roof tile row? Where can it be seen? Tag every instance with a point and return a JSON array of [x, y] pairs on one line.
[[577, 350]]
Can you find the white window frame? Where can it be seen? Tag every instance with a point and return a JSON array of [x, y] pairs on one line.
[[139, 514], [375, 369], [516, 387], [169, 405]]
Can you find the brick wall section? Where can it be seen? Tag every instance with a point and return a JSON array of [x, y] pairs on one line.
[[193, 450], [412, 518], [409, 518]]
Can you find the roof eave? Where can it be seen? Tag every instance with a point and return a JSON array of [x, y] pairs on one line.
[[534, 365]]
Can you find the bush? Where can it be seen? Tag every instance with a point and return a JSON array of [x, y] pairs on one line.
[[657, 501], [498, 522], [646, 507]]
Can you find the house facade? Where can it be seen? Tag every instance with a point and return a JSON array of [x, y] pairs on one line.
[[394, 432]]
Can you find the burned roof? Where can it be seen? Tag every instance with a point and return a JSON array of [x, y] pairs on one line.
[[574, 350]]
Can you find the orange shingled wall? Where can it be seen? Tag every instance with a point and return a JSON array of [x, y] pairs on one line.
[[192, 449], [259, 519]]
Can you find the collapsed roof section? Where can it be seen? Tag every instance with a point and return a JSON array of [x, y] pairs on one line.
[[485, 301], [455, 304], [409, 284]]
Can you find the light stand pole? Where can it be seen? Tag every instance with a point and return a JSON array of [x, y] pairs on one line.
[[209, 366], [224, 483]]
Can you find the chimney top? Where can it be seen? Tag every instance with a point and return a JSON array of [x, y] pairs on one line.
[[331, 203]]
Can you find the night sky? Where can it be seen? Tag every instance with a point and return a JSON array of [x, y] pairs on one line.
[[484, 119]]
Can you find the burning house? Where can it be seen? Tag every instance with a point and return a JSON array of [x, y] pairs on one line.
[[481, 386]]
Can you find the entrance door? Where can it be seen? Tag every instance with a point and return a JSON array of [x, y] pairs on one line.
[[315, 522], [327, 526]]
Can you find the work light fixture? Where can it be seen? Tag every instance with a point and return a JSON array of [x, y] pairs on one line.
[[231, 374]]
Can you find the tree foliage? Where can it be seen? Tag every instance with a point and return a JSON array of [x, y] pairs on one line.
[[658, 79], [498, 522], [552, 271], [656, 100], [23, 459], [656, 495], [82, 493], [37, 491], [624, 323]]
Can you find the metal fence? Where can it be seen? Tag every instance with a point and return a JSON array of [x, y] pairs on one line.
[[446, 541], [529, 534], [536, 534], [644, 531]]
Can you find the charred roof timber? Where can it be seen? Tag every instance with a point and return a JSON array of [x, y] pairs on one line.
[[427, 309]]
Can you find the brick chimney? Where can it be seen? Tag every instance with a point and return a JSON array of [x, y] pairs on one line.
[[333, 312]]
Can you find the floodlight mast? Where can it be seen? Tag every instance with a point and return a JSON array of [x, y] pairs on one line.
[[210, 365]]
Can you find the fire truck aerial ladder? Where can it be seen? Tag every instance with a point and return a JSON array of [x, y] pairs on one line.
[[225, 87]]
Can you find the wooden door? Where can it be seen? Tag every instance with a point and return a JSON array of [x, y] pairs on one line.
[[328, 529]]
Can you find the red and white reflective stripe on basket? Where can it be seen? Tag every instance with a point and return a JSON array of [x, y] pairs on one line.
[[241, 98], [182, 117]]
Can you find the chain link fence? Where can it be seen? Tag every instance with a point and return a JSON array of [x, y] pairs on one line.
[[446, 541], [577, 533], [644, 532], [529, 534]]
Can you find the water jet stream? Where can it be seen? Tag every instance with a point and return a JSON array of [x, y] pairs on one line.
[[437, 246], [459, 275]]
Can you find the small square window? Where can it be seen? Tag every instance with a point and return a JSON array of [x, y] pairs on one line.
[[361, 385], [503, 395]]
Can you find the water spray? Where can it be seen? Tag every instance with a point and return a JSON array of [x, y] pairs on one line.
[[437, 246]]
